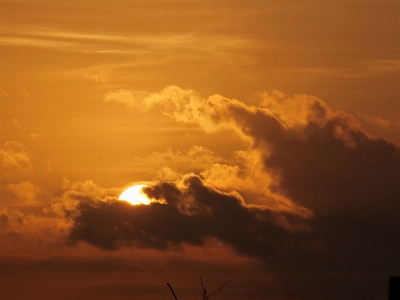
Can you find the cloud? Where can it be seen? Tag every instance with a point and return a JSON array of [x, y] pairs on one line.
[[75, 193], [387, 127], [245, 174], [276, 115], [14, 158], [335, 187], [82, 190], [336, 166], [26, 192], [186, 106], [16, 123], [196, 159], [310, 154], [383, 123], [34, 136], [194, 213], [17, 226], [140, 49], [383, 66], [102, 76], [314, 156], [129, 98], [166, 174], [34, 42], [196, 153]]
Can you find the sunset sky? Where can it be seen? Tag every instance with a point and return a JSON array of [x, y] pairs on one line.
[[268, 133]]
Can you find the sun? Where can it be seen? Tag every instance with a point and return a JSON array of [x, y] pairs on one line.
[[134, 195]]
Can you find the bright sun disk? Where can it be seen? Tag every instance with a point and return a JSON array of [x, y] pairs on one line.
[[134, 195]]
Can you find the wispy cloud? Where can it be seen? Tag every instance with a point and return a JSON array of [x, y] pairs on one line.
[[383, 66], [140, 44]]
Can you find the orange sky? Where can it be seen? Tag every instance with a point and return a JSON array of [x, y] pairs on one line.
[[269, 129]]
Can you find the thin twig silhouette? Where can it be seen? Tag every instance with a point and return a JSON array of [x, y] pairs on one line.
[[173, 293], [204, 290], [205, 297], [204, 294]]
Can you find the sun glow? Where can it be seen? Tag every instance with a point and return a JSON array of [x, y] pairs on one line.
[[134, 195]]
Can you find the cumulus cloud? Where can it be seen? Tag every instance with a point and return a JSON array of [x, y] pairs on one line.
[[187, 106], [311, 194], [75, 193], [52, 227], [338, 167], [335, 186], [10, 217], [245, 174], [387, 127], [26, 192], [14, 158], [193, 213], [314, 156], [82, 190]]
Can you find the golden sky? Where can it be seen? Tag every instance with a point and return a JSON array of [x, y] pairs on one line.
[[268, 132]]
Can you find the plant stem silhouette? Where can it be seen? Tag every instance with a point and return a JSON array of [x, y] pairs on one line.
[[205, 297], [173, 293], [204, 294]]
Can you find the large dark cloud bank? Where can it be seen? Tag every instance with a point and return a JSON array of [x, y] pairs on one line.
[[349, 180]]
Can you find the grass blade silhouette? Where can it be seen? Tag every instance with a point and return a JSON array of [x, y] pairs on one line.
[[204, 294], [205, 297], [173, 293]]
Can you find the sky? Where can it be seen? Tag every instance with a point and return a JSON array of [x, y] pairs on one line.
[[267, 133]]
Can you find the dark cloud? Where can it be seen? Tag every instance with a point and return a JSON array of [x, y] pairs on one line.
[[194, 213], [338, 167], [320, 160], [348, 178], [331, 251]]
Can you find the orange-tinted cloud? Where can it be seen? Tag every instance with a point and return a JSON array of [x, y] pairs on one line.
[[18, 227], [14, 159], [196, 212], [310, 152], [310, 190], [26, 192], [318, 160], [193, 214], [196, 159]]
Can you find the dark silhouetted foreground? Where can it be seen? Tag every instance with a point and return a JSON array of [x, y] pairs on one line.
[[394, 288]]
